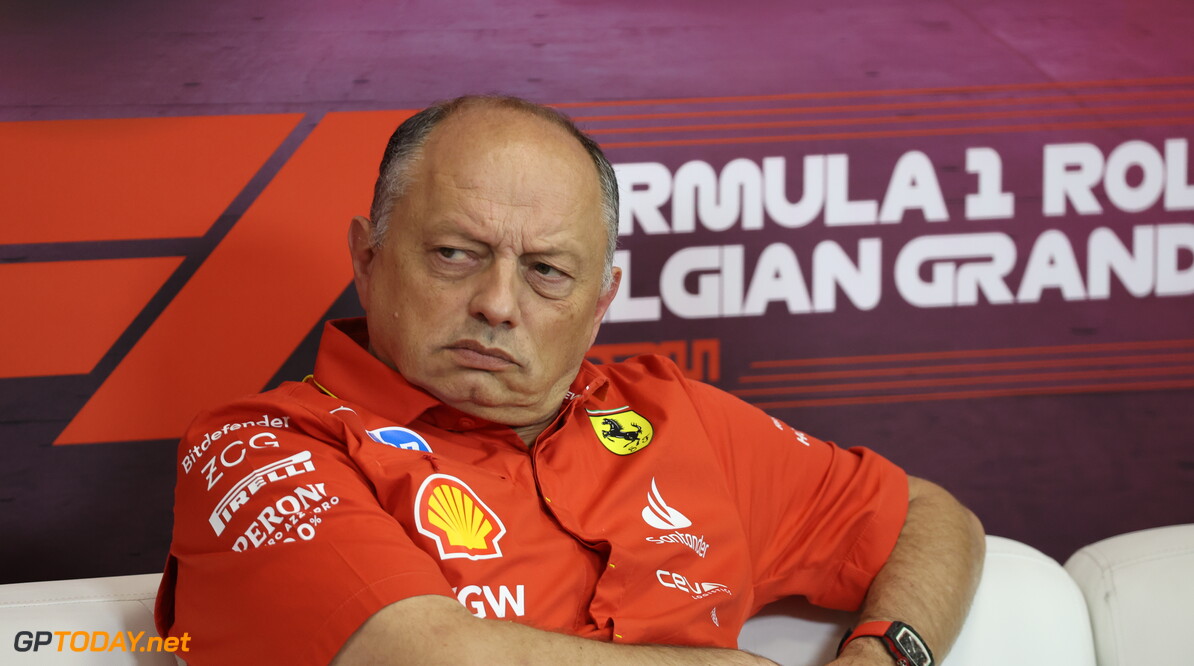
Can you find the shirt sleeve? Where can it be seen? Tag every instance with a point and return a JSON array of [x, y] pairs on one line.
[[821, 520], [281, 550]]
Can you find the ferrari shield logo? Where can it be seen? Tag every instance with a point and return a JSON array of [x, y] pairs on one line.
[[623, 430]]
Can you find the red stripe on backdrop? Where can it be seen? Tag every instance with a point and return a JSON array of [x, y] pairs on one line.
[[969, 368], [259, 293], [978, 353], [848, 94], [93, 180], [880, 120], [893, 106], [941, 131], [992, 393], [62, 316], [963, 381]]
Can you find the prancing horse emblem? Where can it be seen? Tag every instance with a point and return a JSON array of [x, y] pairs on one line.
[[615, 430], [622, 431]]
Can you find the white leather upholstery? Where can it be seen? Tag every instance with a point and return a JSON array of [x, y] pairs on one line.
[[114, 604], [1139, 588], [793, 632], [1027, 612]]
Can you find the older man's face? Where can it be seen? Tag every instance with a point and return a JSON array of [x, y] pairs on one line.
[[487, 290]]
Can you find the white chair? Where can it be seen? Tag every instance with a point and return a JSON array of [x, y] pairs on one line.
[[110, 605], [1139, 588], [1027, 612]]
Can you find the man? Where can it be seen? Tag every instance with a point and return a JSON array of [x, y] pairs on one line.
[[454, 462]]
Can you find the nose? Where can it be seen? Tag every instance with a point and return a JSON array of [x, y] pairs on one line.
[[495, 298]]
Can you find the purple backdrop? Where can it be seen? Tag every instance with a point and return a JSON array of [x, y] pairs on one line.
[[1056, 460]]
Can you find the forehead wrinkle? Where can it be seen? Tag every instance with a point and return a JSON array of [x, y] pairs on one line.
[[454, 188], [488, 170], [488, 218]]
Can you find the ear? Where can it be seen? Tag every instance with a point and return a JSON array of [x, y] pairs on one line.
[[362, 252], [604, 301]]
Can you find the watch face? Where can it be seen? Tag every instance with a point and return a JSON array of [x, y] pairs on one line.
[[913, 647]]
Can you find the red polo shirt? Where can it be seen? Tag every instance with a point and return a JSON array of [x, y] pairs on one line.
[[654, 509]]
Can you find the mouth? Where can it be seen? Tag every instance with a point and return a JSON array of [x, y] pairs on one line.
[[472, 354]]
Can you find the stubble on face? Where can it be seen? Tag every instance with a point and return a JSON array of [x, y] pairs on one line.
[[487, 290]]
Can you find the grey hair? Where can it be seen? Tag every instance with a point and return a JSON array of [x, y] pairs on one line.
[[406, 147]]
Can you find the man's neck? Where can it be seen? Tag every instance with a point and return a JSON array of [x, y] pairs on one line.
[[530, 433]]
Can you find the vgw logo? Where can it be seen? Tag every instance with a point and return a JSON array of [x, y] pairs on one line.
[[483, 601]]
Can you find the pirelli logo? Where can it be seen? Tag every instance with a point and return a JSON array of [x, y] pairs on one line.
[[449, 513], [239, 495]]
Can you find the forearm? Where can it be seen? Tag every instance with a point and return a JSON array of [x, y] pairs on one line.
[[437, 630], [930, 578]]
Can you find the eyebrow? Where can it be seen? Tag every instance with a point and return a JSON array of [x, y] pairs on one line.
[[465, 227]]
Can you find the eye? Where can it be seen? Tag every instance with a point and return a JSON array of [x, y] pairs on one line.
[[546, 270], [549, 281], [452, 261]]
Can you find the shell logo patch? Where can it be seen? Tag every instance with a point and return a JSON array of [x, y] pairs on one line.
[[451, 514], [623, 430]]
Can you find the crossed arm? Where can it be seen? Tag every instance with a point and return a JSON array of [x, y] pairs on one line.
[[930, 577], [928, 582]]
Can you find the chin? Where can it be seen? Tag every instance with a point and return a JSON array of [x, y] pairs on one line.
[[514, 417], [516, 408]]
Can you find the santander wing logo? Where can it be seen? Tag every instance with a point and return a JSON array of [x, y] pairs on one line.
[[661, 516]]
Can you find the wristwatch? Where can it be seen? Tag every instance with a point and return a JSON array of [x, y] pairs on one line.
[[902, 642]]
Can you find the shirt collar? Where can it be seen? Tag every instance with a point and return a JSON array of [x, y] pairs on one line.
[[345, 369]]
